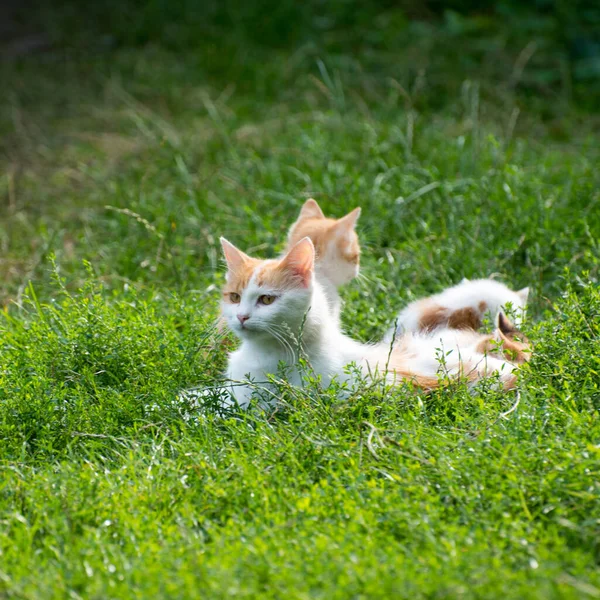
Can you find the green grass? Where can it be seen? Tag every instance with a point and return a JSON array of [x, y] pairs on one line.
[[121, 167]]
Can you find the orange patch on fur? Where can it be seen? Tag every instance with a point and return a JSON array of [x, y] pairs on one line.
[[421, 381], [517, 348], [275, 276], [317, 229], [271, 274], [482, 306], [433, 316], [464, 318], [238, 280]]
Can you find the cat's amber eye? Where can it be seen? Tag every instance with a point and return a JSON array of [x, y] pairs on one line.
[[235, 297], [266, 300]]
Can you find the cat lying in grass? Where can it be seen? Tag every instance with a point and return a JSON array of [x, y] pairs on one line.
[[280, 310], [463, 306]]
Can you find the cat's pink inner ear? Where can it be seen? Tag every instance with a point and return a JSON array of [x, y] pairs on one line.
[[311, 210], [348, 223], [300, 260], [235, 258]]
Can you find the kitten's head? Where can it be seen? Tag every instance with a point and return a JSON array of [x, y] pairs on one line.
[[335, 241], [267, 298]]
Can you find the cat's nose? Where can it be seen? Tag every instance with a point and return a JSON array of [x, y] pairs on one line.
[[243, 318]]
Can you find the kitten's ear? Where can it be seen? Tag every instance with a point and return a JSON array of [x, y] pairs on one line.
[[504, 324], [464, 280], [300, 260], [347, 224], [523, 294], [235, 258], [311, 210]]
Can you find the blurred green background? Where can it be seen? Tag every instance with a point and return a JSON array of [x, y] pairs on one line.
[[238, 32]]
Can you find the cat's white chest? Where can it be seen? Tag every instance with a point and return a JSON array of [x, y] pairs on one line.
[[333, 297], [252, 364], [251, 361]]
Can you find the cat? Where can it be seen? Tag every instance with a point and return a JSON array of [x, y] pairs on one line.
[[463, 306], [279, 309], [338, 254], [337, 248]]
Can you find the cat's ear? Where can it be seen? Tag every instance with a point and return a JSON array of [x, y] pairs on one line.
[[347, 224], [300, 261], [464, 280], [523, 295], [311, 210], [504, 324], [235, 258]]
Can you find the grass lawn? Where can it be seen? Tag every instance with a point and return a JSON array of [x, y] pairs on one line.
[[471, 143]]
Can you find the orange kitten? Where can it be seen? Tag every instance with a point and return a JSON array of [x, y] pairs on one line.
[[336, 245]]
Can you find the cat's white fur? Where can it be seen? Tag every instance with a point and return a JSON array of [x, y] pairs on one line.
[[332, 273], [270, 336], [467, 294]]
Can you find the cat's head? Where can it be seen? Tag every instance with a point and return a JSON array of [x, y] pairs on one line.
[[267, 298], [335, 241]]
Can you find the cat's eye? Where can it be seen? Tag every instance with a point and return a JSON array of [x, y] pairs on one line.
[[266, 300], [234, 297]]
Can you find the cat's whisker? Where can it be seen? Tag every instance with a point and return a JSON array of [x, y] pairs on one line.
[[284, 341], [363, 278], [270, 329], [286, 346]]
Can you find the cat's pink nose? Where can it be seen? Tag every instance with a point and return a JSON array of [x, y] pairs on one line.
[[243, 318]]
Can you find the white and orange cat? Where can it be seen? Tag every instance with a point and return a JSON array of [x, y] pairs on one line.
[[336, 245], [278, 308], [463, 306]]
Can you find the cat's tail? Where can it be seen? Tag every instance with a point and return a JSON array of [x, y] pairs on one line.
[[469, 371], [427, 383]]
